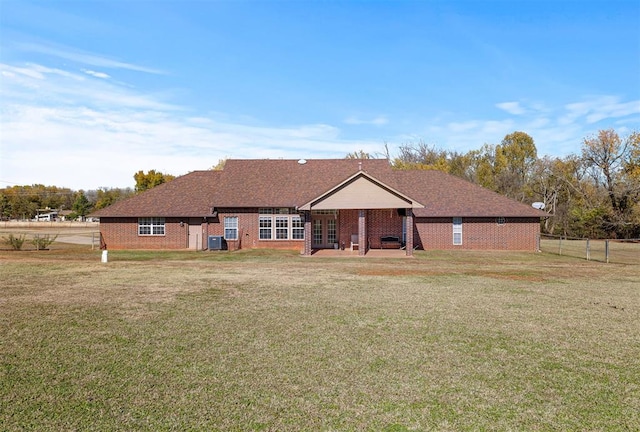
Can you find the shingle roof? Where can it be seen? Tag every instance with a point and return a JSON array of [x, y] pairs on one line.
[[185, 196], [289, 183], [445, 195], [286, 183]]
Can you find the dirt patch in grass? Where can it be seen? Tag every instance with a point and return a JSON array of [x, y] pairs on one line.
[[510, 276], [433, 273], [399, 272]]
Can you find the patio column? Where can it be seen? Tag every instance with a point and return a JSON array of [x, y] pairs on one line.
[[362, 232], [409, 239], [307, 233]]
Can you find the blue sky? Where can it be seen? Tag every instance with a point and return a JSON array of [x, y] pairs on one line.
[[93, 91]]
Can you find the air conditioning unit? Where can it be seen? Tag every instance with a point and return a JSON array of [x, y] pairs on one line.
[[215, 242]]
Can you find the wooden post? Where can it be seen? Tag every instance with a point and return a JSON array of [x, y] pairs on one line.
[[588, 251]]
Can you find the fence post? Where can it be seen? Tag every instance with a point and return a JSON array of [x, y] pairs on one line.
[[588, 251], [606, 250], [560, 246]]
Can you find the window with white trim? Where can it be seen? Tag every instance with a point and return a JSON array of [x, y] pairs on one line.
[[280, 224], [266, 227], [457, 230], [297, 228], [151, 226], [282, 227], [231, 228]]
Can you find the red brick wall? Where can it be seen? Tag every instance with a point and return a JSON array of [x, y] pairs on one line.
[[383, 223], [380, 223], [122, 233], [478, 234], [347, 225], [248, 231], [429, 233]]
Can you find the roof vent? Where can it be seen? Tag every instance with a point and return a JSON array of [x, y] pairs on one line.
[[302, 161]]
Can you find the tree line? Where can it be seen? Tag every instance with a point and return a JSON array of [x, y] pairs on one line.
[[595, 193], [25, 202]]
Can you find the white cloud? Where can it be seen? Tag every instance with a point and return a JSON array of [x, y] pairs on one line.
[[512, 108], [96, 74], [51, 86], [376, 121], [65, 128], [82, 133], [613, 108], [557, 131], [34, 72], [596, 109], [85, 148], [83, 57]]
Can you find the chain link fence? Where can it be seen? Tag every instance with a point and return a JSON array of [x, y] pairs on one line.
[[609, 251]]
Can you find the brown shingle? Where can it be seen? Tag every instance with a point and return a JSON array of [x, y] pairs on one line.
[[445, 195], [188, 195], [288, 183]]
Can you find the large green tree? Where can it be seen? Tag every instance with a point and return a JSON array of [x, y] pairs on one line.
[[81, 206]]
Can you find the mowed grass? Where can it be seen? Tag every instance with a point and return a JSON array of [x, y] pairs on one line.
[[264, 340]]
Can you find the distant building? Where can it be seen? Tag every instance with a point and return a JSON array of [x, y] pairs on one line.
[[48, 215]]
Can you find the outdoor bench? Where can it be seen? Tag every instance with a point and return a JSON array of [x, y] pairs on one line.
[[390, 242]]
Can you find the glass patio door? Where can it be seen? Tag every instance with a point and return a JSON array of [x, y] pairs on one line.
[[324, 231]]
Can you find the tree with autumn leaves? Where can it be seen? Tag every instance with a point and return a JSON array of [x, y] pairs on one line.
[[612, 166], [150, 179], [594, 194]]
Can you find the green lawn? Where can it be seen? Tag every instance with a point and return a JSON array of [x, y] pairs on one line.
[[257, 340]]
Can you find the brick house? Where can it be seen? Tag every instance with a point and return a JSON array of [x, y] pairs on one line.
[[316, 204]]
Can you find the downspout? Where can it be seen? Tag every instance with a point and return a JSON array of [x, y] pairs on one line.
[[206, 234], [186, 232]]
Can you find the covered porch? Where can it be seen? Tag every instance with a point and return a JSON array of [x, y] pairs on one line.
[[358, 216]]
